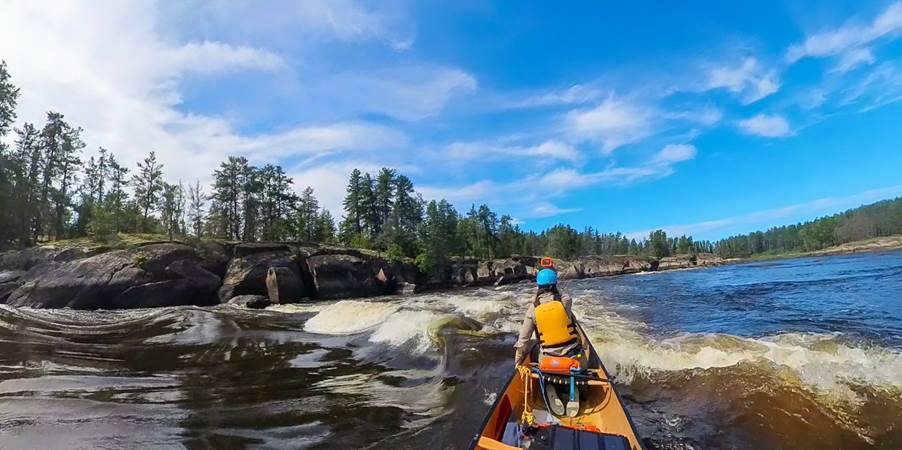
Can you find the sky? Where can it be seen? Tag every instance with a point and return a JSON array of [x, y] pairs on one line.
[[708, 119]]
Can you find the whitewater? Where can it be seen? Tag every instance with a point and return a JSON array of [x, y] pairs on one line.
[[803, 353]]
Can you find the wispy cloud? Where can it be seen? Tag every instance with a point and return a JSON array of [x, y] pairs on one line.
[[760, 220], [612, 123], [766, 126], [484, 151], [292, 22], [881, 87], [849, 37], [406, 92], [749, 80], [546, 209], [672, 153], [575, 94], [854, 59]]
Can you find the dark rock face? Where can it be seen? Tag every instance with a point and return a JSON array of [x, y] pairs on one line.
[[251, 301], [247, 275], [214, 257], [259, 274], [284, 284], [153, 275], [7, 288], [7, 276], [346, 275], [25, 259]]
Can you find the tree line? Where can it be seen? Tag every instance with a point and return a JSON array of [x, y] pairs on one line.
[[48, 191], [883, 218]]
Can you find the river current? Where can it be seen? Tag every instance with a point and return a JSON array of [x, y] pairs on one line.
[[801, 353]]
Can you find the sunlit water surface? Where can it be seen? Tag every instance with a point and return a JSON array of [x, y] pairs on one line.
[[803, 353]]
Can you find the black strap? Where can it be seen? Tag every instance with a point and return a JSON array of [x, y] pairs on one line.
[[561, 345]]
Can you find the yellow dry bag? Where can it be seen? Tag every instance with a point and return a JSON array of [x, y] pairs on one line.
[[554, 325]]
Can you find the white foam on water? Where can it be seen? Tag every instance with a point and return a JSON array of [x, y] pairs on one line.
[[406, 326], [350, 317], [819, 361], [298, 308]]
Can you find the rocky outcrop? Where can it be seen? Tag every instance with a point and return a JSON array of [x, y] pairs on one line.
[[246, 274], [148, 276], [676, 262], [169, 274], [350, 275]]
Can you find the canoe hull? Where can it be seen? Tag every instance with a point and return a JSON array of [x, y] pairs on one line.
[[601, 406]]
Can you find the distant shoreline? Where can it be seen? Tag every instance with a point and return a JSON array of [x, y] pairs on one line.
[[879, 244]]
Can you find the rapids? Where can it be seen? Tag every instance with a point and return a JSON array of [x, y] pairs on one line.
[[803, 353]]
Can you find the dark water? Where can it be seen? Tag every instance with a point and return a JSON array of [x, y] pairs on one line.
[[803, 353]]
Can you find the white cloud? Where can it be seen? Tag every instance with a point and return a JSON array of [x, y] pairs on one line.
[[848, 37], [210, 57], [291, 22], [110, 70], [748, 80], [478, 191], [546, 209], [853, 59], [406, 93], [613, 123], [550, 150], [881, 87], [672, 153], [576, 94], [766, 125]]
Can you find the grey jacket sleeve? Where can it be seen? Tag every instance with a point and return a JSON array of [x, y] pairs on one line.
[[527, 327]]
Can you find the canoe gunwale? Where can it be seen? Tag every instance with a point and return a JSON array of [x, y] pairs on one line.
[[594, 361]]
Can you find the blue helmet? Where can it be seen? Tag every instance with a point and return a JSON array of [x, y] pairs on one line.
[[546, 277]]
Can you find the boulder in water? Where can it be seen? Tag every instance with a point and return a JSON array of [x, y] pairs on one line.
[[251, 301]]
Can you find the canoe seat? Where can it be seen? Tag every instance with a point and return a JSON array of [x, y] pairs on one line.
[[556, 437]]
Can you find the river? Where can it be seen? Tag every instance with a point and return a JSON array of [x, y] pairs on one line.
[[800, 353]]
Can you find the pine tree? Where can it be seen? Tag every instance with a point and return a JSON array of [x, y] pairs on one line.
[[29, 153], [148, 184], [229, 183], [369, 208], [196, 200], [353, 223], [383, 191], [438, 237], [10, 167], [406, 216], [325, 227], [117, 197], [172, 206], [307, 216], [68, 162]]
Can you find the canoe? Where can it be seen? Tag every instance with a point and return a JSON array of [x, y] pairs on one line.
[[601, 423]]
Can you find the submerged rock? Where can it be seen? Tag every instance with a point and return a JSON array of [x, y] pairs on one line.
[[251, 301]]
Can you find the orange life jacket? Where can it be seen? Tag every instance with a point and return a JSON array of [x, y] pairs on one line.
[[554, 325]]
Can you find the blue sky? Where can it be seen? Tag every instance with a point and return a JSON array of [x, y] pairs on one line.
[[708, 119]]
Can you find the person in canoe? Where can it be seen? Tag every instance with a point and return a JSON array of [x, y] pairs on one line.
[[549, 316]]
